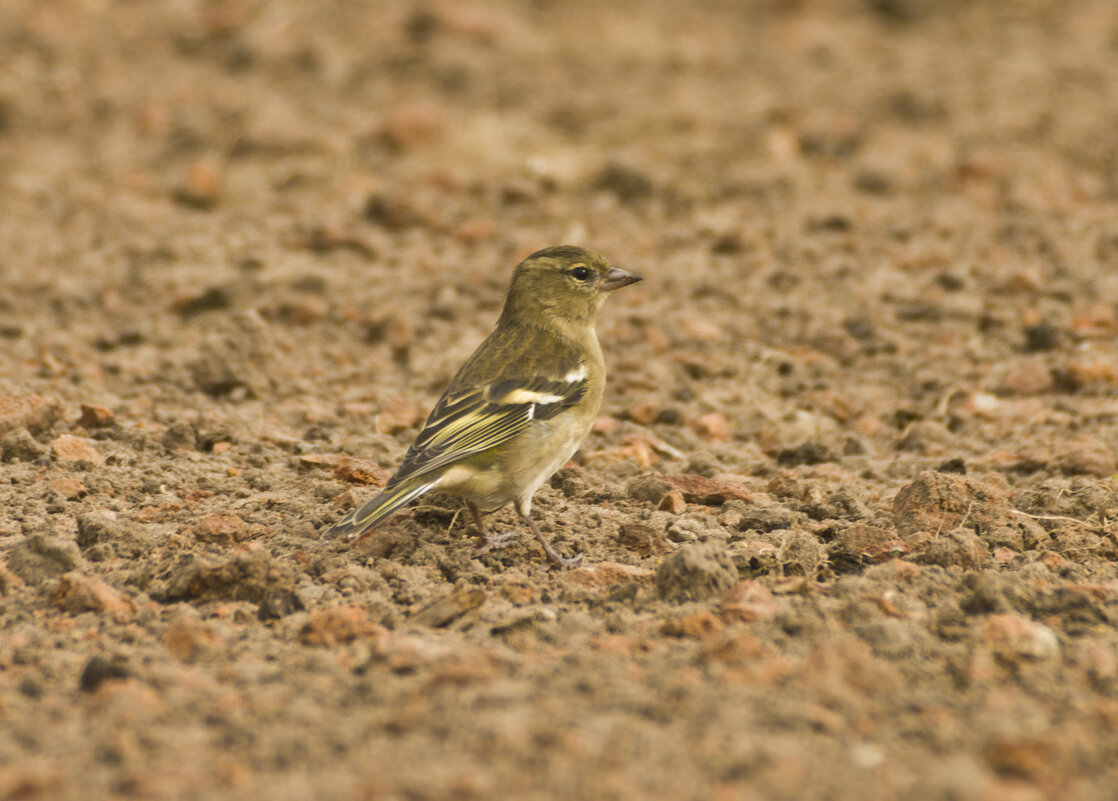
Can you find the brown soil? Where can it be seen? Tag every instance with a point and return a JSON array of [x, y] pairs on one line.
[[848, 513]]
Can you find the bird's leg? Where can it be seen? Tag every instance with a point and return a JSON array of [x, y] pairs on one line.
[[489, 542], [553, 555]]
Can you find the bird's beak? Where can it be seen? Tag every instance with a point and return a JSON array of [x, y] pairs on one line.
[[617, 278]]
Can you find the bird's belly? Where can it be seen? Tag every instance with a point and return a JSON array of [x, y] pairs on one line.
[[520, 470]]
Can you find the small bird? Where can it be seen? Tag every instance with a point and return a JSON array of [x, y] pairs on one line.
[[519, 407]]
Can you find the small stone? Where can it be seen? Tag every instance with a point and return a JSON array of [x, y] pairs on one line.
[[626, 183], [649, 489], [95, 417], [76, 593], [785, 484], [201, 186], [99, 670], [608, 576], [69, 488], [245, 576], [713, 427], [707, 491], [221, 529], [642, 540], [805, 453], [68, 448], [340, 624], [180, 435], [673, 502], [1086, 455], [236, 356], [642, 413], [696, 626], [1012, 638], [188, 638], [748, 601], [1042, 336], [38, 557], [33, 412], [407, 127], [941, 502], [8, 580], [19, 445], [1032, 378], [367, 473], [279, 603], [124, 537], [1087, 377], [695, 572], [799, 552], [445, 610], [959, 547]]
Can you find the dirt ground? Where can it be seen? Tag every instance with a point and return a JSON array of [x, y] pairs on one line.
[[849, 514]]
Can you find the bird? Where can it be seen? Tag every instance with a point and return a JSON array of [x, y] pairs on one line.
[[518, 408]]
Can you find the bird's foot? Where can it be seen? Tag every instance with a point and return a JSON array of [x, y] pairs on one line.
[[558, 559], [495, 542]]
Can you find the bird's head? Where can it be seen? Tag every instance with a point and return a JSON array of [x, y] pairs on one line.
[[563, 286]]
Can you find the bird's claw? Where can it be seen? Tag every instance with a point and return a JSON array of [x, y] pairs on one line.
[[564, 561], [494, 542]]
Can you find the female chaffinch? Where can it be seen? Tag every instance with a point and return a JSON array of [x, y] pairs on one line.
[[519, 407]]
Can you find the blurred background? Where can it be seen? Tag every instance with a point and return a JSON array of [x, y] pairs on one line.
[[245, 244]]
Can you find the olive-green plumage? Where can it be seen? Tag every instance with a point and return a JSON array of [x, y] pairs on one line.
[[520, 406]]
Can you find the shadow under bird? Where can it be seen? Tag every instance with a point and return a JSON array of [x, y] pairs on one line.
[[519, 407]]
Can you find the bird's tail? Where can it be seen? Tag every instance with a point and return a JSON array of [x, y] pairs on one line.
[[372, 512]]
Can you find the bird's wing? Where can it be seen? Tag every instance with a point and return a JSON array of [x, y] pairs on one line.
[[473, 420]]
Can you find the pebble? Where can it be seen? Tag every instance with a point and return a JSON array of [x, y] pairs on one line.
[[695, 572], [1013, 638], [68, 448]]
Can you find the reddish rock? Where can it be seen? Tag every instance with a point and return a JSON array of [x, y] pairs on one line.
[[188, 638], [340, 624], [68, 448], [95, 417], [713, 427], [221, 529], [937, 502], [410, 126], [366, 473], [1032, 378], [607, 575], [398, 415], [1088, 376], [1012, 638], [323, 461], [76, 593], [639, 448], [201, 186], [33, 412], [697, 626], [707, 491], [642, 413], [69, 488]]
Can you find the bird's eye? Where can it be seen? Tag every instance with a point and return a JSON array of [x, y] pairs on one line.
[[581, 273]]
